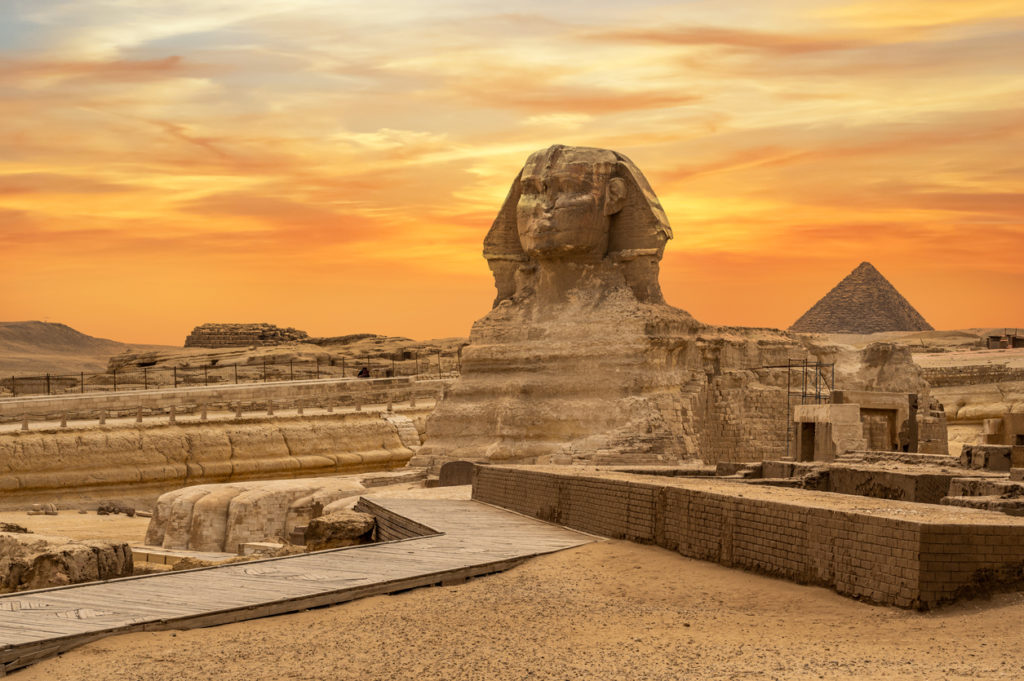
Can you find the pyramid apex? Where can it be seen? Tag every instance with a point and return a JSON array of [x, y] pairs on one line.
[[863, 302]]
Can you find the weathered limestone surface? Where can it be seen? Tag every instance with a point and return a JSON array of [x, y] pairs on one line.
[[221, 517], [239, 335], [33, 561], [138, 463], [341, 528], [581, 359]]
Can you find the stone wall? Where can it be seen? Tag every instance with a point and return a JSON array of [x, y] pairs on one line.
[[338, 392], [142, 462], [941, 377], [889, 552], [241, 335]]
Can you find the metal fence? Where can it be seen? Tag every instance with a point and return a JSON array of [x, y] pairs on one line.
[[264, 370]]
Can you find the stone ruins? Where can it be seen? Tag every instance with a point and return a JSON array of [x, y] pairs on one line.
[[241, 335], [581, 359], [863, 302]]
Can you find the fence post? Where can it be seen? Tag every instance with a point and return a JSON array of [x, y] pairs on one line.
[[417, 362], [81, 382], [115, 380], [138, 414], [47, 384], [145, 378], [236, 374], [342, 370], [439, 364], [270, 407], [264, 369], [64, 420], [318, 368], [175, 369], [202, 414], [206, 379], [291, 370], [170, 414], [14, 392]]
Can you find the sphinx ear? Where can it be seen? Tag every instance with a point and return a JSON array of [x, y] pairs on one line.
[[615, 196]]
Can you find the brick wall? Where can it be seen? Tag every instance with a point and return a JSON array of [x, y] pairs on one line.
[[939, 377], [896, 556]]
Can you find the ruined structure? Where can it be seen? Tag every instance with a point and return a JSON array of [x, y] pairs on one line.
[[241, 335], [581, 359], [35, 561], [863, 302], [867, 420]]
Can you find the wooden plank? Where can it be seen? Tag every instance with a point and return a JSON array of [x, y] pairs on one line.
[[470, 539]]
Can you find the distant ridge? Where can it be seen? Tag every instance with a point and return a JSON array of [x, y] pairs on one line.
[[863, 302], [36, 347]]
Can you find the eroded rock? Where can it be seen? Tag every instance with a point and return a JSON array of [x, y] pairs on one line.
[[33, 561], [341, 528]]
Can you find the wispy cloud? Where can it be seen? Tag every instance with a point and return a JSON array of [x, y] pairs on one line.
[[287, 144]]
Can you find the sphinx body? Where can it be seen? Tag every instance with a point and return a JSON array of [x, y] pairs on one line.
[[581, 359]]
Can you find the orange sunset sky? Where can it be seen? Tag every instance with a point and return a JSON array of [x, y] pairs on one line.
[[334, 165]]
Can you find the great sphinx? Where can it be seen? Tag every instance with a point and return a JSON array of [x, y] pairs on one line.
[[580, 358]]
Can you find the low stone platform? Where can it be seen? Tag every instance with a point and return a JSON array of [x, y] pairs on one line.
[[889, 552], [162, 556]]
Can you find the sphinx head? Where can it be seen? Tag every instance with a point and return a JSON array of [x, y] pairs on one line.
[[579, 204], [567, 197]]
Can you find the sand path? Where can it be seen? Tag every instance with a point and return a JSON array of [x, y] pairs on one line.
[[612, 610]]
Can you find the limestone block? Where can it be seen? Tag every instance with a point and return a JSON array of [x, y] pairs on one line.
[[179, 515], [341, 528], [210, 518], [32, 561]]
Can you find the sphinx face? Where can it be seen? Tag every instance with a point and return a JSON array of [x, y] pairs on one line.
[[561, 209]]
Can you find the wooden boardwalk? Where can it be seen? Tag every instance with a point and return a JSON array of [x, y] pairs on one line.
[[469, 539]]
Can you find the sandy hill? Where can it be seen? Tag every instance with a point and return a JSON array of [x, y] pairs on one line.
[[863, 302], [41, 347]]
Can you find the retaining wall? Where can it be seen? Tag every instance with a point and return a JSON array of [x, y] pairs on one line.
[[335, 391], [889, 552], [139, 463]]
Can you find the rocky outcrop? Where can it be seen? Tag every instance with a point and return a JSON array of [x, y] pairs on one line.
[[222, 517], [341, 528], [241, 335], [33, 561]]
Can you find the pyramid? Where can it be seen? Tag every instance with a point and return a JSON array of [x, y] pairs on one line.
[[863, 302]]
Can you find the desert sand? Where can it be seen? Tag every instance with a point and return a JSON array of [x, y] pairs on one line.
[[74, 525], [610, 610]]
